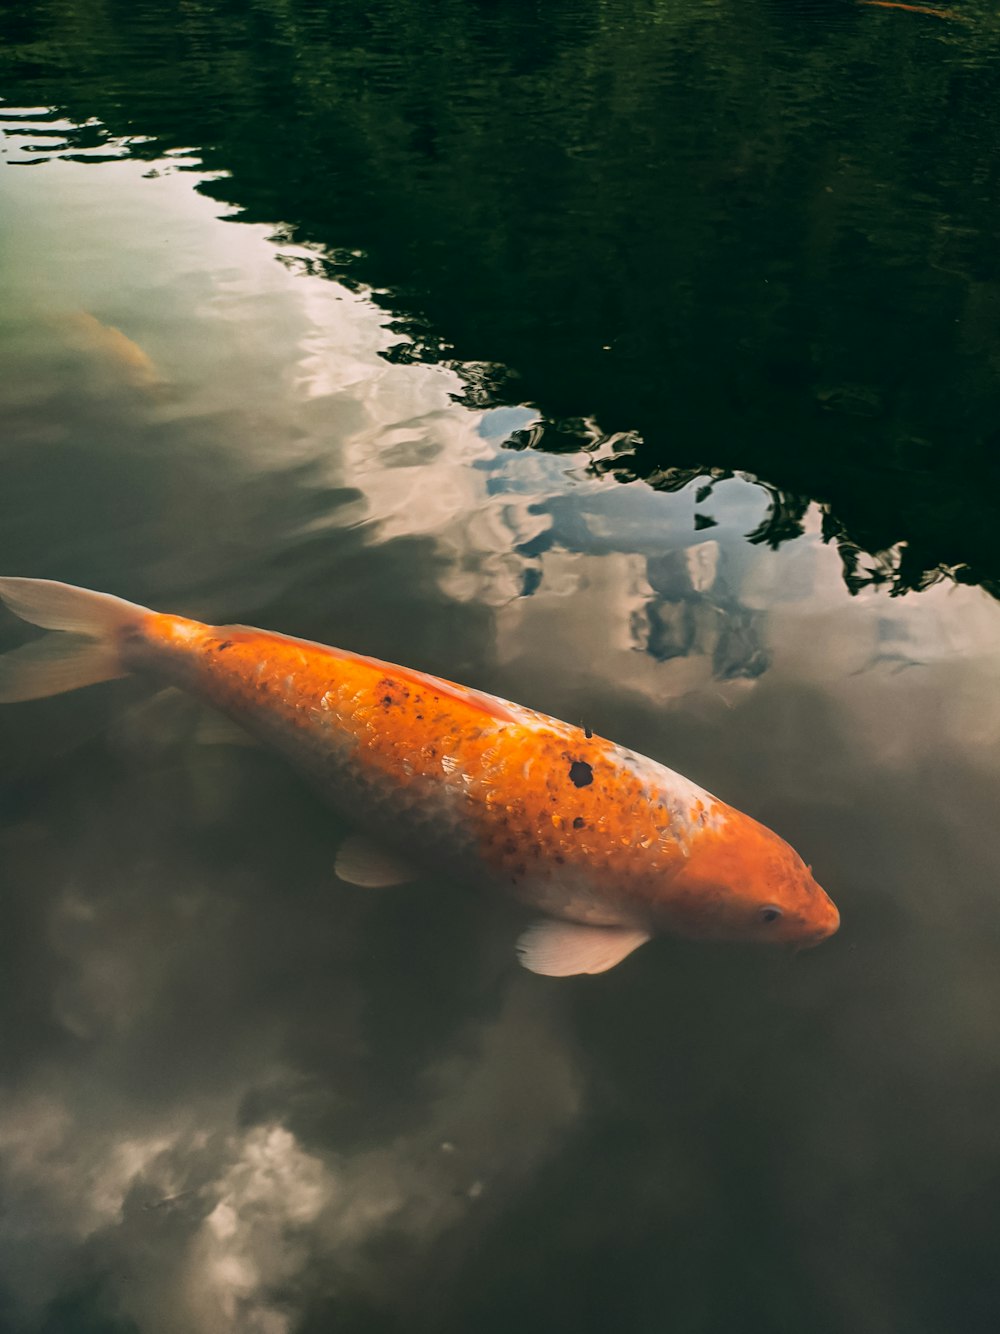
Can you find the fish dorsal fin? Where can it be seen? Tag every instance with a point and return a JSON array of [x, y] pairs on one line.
[[562, 949], [362, 862]]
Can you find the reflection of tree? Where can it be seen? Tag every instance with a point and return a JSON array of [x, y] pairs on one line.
[[893, 538], [705, 228], [782, 521]]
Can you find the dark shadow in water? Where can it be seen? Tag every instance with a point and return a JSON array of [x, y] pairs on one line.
[[761, 240]]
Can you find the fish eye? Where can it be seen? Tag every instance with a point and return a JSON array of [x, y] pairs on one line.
[[769, 913]]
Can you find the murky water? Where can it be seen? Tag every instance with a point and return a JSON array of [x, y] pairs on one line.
[[623, 359]]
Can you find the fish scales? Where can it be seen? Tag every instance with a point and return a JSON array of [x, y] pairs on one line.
[[545, 809], [609, 844]]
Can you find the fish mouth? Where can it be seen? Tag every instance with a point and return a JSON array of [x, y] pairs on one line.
[[822, 932]]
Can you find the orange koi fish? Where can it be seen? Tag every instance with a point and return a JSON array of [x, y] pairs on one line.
[[135, 366], [610, 846]]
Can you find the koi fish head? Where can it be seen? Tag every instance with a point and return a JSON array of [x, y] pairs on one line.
[[744, 883], [791, 908]]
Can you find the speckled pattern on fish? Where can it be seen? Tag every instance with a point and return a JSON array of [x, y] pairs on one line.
[[464, 783]]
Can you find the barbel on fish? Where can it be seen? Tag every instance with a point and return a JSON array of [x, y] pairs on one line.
[[610, 846]]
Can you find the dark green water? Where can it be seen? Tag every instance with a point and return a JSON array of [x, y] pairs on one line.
[[626, 359]]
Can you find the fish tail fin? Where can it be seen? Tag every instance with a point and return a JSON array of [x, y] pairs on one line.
[[88, 652]]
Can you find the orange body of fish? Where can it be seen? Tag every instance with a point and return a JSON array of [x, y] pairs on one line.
[[609, 845]]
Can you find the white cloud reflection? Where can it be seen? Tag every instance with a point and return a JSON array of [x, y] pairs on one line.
[[236, 1218]]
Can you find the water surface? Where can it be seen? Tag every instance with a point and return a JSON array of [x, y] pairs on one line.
[[637, 362]]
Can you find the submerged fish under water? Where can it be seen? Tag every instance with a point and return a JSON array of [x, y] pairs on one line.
[[131, 364], [610, 846]]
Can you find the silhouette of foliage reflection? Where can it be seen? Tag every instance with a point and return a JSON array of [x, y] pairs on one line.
[[697, 227]]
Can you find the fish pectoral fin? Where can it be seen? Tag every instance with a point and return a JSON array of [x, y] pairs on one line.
[[562, 949], [362, 862]]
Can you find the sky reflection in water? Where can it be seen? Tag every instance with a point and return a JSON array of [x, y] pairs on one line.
[[241, 1097]]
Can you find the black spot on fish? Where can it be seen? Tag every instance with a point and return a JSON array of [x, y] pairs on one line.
[[581, 774], [386, 700], [579, 822], [588, 732], [227, 644]]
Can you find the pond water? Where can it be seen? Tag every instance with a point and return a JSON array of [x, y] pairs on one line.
[[636, 361]]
